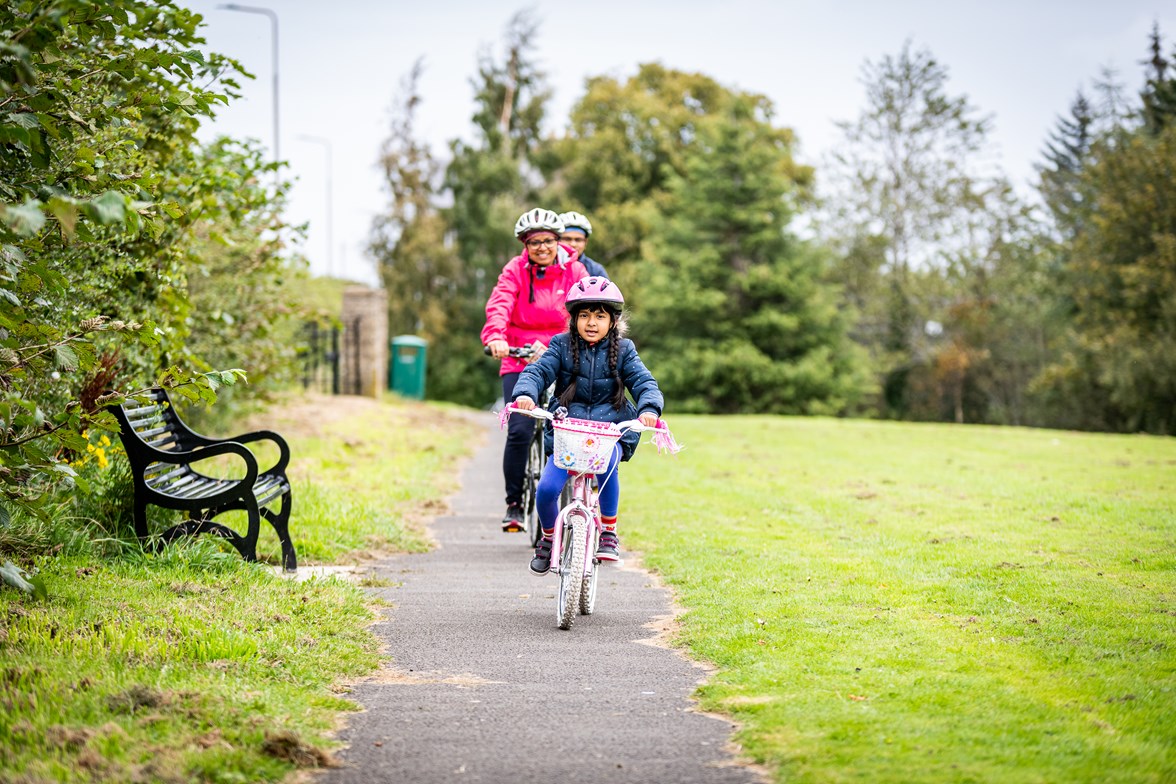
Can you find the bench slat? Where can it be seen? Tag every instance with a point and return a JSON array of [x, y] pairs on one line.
[[165, 475], [147, 434], [165, 443]]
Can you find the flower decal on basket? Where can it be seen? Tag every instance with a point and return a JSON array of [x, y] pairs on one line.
[[567, 460], [589, 442], [596, 464]]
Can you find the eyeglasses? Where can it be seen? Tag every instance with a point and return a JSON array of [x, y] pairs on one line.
[[537, 244]]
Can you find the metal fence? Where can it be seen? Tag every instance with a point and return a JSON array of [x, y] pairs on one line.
[[319, 355], [330, 358]]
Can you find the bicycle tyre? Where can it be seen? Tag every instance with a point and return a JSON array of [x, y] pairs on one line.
[[588, 590], [534, 468], [571, 571]]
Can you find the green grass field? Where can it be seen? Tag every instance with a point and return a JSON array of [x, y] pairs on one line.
[[196, 666], [885, 602], [923, 603]]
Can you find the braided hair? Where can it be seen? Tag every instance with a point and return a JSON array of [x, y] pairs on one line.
[[615, 331]]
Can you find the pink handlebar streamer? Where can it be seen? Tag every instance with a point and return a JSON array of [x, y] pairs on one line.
[[663, 439]]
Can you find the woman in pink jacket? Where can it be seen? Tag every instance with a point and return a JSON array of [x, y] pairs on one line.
[[526, 308]]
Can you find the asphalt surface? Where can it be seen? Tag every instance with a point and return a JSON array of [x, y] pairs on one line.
[[481, 686]]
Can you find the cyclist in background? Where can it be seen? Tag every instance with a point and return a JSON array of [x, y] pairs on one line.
[[527, 308], [577, 230]]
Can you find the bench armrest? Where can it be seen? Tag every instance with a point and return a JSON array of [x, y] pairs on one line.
[[215, 450], [268, 435]]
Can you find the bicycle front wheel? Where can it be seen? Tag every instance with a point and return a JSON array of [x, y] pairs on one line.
[[571, 570]]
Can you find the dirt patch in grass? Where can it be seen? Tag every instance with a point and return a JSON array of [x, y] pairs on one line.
[[291, 748], [310, 414]]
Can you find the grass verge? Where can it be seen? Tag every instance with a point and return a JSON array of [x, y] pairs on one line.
[[195, 666], [923, 603]]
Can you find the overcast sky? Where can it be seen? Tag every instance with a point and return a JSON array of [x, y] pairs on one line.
[[341, 64]]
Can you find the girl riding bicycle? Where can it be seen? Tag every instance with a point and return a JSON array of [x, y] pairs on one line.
[[527, 308], [592, 364]]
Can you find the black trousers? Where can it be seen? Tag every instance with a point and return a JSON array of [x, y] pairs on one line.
[[519, 430]]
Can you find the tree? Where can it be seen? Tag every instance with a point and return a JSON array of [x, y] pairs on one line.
[[439, 262], [1066, 152], [1114, 367], [904, 193], [417, 265], [1159, 92], [625, 142], [731, 311], [1121, 279]]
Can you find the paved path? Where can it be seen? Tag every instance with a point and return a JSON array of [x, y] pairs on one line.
[[480, 688]]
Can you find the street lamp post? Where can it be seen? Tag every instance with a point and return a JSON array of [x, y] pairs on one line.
[[326, 143], [273, 17]]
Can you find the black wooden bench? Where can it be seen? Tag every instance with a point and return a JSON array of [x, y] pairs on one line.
[[162, 451]]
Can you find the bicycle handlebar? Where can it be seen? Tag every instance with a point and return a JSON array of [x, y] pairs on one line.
[[519, 352], [630, 424]]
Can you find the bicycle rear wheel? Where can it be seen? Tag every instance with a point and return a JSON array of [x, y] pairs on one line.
[[535, 460], [588, 590], [571, 570]]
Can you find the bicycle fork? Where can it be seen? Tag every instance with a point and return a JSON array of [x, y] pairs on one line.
[[567, 520]]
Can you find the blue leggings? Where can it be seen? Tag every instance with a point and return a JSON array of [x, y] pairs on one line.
[[552, 482]]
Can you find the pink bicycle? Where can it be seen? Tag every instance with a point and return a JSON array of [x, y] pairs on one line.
[[583, 448]]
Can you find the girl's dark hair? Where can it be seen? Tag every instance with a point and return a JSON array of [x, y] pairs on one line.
[[615, 331]]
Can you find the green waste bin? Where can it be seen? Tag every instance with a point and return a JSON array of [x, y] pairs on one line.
[[406, 366]]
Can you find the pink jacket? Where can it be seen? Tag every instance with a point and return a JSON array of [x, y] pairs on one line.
[[525, 307]]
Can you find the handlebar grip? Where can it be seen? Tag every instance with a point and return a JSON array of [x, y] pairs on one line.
[[519, 352]]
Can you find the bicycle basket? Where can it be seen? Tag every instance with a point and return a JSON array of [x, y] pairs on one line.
[[583, 446]]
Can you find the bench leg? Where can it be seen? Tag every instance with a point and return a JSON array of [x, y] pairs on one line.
[[281, 525], [140, 518]]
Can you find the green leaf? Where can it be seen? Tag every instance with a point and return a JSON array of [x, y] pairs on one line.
[[26, 120], [39, 589], [108, 209], [11, 134], [13, 575], [65, 468], [66, 358], [25, 220], [5, 516], [66, 213]]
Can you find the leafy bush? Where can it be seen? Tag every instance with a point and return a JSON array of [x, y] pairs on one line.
[[130, 255]]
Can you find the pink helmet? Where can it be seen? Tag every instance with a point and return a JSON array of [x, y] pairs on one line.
[[595, 290]]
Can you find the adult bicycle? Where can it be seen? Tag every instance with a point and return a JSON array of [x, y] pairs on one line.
[[536, 457], [583, 448]]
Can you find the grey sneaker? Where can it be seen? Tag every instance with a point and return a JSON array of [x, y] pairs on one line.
[[609, 548], [513, 519], [541, 563]]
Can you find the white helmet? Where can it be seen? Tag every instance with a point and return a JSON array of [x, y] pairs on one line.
[[574, 220], [538, 219]]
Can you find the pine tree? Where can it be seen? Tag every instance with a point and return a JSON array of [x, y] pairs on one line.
[[1066, 153], [731, 313], [1159, 92]]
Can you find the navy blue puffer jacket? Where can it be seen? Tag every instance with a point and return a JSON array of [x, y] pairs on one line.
[[594, 384]]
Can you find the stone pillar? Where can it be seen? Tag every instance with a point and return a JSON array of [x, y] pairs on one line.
[[364, 364]]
